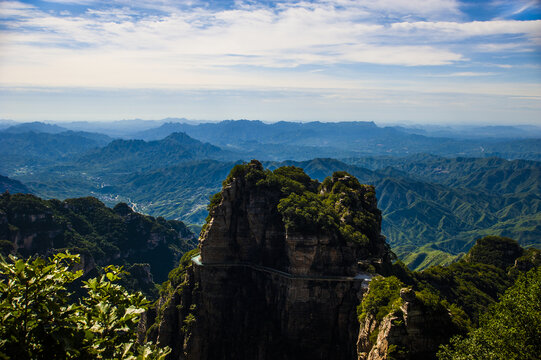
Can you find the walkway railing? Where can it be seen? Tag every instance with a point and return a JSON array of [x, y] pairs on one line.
[[359, 277]]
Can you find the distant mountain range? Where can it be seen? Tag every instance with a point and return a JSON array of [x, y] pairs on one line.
[[303, 141], [35, 126], [477, 132], [244, 139], [25, 151], [434, 207], [140, 155]]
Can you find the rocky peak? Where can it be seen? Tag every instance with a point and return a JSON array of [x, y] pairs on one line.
[[287, 221], [283, 265]]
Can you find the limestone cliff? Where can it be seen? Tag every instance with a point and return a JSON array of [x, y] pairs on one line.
[[284, 263]]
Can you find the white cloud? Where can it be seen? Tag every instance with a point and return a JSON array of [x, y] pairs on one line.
[[469, 29], [514, 47], [428, 9], [463, 74], [306, 33], [247, 46]]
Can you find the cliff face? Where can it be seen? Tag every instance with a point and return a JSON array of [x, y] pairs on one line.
[[414, 331], [282, 269]]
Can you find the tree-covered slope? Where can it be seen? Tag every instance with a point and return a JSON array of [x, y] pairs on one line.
[[480, 173], [410, 314], [435, 207], [509, 330], [136, 155], [418, 212], [180, 191], [30, 225]]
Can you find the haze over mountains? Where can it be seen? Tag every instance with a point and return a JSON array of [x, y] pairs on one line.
[[437, 194]]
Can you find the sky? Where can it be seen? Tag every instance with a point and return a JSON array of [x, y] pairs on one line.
[[388, 61]]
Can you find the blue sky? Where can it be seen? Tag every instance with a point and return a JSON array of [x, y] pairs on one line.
[[389, 61]]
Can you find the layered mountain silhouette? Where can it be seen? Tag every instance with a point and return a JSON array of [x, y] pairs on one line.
[[434, 207]]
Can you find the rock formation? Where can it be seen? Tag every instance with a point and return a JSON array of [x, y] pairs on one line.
[[414, 331], [283, 265]]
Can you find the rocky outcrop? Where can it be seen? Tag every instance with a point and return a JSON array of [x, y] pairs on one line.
[[246, 226], [415, 331], [281, 270]]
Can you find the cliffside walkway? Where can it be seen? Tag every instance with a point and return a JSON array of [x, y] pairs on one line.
[[359, 277]]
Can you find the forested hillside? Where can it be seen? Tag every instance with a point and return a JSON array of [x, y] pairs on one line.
[[483, 302], [148, 247]]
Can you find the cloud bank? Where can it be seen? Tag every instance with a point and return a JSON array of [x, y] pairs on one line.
[[326, 44]]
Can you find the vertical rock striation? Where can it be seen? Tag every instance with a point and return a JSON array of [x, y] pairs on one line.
[[284, 263]]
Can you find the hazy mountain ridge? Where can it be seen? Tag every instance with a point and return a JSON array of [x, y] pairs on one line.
[[36, 126], [431, 202], [473, 131], [140, 155], [22, 152], [356, 137]]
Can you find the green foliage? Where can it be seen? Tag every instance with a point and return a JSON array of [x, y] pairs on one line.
[[214, 201], [289, 180], [35, 316], [176, 275], [395, 352], [342, 207], [434, 305], [85, 225], [470, 286], [426, 256], [307, 214], [383, 296], [138, 277], [428, 299], [251, 171], [295, 174], [509, 330], [530, 259], [495, 250], [38, 321]]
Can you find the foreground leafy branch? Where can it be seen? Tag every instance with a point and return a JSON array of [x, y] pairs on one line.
[[38, 319]]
